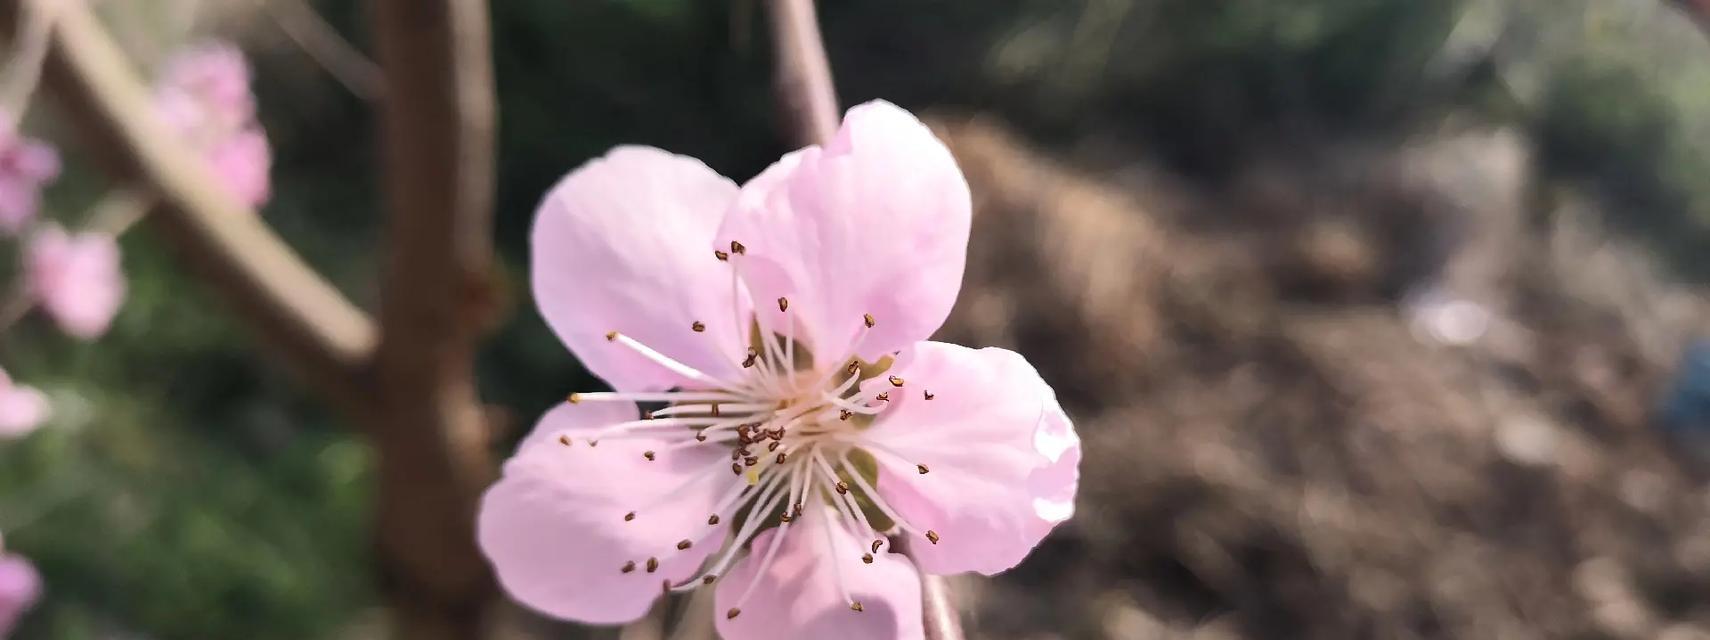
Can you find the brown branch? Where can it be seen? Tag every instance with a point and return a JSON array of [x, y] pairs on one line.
[[807, 99], [322, 43], [325, 339], [435, 305]]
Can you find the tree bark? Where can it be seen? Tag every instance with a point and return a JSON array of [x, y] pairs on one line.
[[435, 305]]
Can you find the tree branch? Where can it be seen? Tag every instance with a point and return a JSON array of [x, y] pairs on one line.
[[436, 303], [324, 338], [807, 100]]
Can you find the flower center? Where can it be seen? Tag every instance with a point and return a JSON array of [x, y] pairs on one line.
[[793, 425]]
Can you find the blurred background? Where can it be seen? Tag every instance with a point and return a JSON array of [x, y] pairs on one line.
[[1377, 317]]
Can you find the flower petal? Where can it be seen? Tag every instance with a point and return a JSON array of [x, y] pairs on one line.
[[621, 244], [875, 223], [20, 587], [1001, 457], [555, 527], [22, 410], [77, 278], [798, 595]]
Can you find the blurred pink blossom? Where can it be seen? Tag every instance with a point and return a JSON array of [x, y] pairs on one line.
[[20, 587], [76, 277], [22, 408], [26, 164], [204, 95]]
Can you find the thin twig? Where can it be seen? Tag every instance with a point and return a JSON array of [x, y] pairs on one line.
[[29, 49], [436, 303], [312, 327], [322, 43], [806, 96]]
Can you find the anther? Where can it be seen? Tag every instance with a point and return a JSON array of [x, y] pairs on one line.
[[867, 558], [928, 395], [708, 579], [683, 545], [611, 335], [877, 544], [722, 256], [855, 606], [647, 415], [842, 487], [628, 567], [922, 469], [575, 398], [868, 319], [732, 613], [652, 565], [715, 409], [932, 536], [564, 440], [780, 456], [896, 382], [774, 446], [844, 414], [750, 461], [785, 518], [743, 429], [649, 455], [700, 436], [736, 468], [738, 249], [735, 454], [629, 516], [698, 326], [712, 520], [884, 397], [797, 511], [854, 367], [783, 304], [749, 361]]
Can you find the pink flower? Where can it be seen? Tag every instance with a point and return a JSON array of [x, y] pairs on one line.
[[26, 164], [777, 470], [20, 587], [204, 95], [22, 408], [76, 278]]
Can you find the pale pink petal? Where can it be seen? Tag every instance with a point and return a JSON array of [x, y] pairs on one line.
[[20, 588], [623, 244], [554, 525], [241, 163], [76, 278], [22, 410], [1001, 456], [875, 223], [34, 160], [20, 200], [798, 595]]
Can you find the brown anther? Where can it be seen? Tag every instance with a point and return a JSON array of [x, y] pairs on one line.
[[854, 367], [842, 487], [735, 454], [738, 249], [708, 579], [611, 335], [750, 461], [593, 443], [896, 382], [783, 304], [867, 558], [712, 520], [647, 415], [700, 436], [743, 429], [652, 565], [649, 455], [776, 434], [922, 469], [629, 516], [884, 397], [785, 518], [574, 398], [749, 361], [798, 510], [732, 613], [780, 457], [868, 319], [844, 414], [928, 395], [877, 544], [932, 536], [774, 446], [628, 567], [856, 607], [698, 326], [683, 545], [564, 440], [722, 256], [736, 468], [744, 439]]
